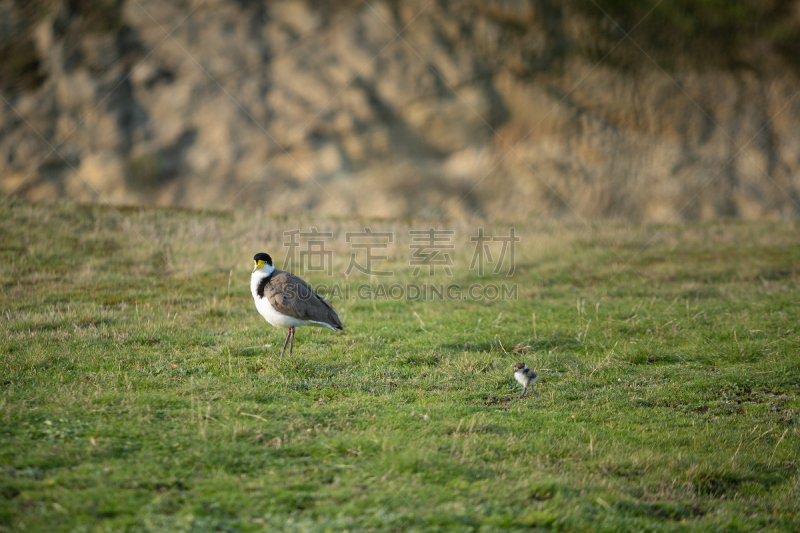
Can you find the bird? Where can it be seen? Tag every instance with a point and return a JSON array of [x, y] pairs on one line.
[[525, 376], [286, 301]]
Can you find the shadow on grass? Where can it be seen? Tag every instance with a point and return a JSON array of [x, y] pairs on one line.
[[718, 482], [668, 510]]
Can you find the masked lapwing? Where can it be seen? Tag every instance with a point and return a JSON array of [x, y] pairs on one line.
[[525, 376], [286, 301]]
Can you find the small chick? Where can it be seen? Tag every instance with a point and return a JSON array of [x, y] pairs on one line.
[[525, 376]]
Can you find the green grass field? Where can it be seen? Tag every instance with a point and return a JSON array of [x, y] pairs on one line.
[[141, 391]]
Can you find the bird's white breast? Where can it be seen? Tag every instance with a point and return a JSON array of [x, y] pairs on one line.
[[522, 378], [272, 315], [276, 318]]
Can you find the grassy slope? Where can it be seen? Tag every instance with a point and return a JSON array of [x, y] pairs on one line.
[[137, 393]]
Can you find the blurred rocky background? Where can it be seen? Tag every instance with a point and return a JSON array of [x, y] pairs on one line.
[[497, 108]]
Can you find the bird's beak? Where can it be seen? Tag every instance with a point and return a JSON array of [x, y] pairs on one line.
[[258, 265]]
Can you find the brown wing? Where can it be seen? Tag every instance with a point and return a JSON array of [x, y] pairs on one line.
[[293, 297]]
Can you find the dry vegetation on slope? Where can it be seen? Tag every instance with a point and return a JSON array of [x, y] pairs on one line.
[[406, 108]]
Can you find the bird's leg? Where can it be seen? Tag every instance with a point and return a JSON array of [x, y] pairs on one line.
[[285, 343], [291, 347], [524, 390]]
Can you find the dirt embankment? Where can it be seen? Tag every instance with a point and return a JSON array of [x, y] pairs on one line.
[[507, 108]]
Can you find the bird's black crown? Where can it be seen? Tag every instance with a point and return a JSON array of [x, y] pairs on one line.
[[263, 257]]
